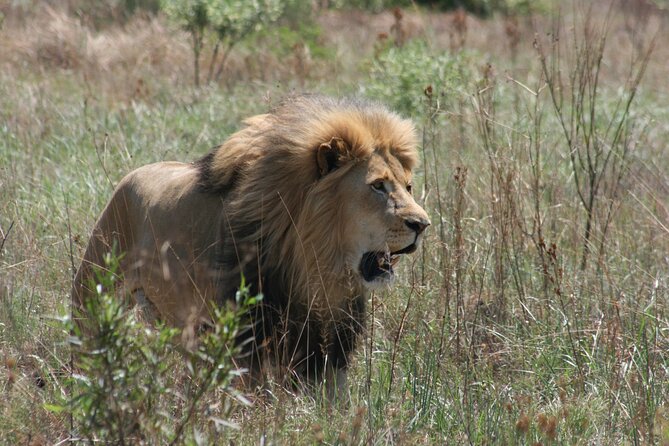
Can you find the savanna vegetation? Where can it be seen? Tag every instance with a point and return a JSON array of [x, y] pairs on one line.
[[537, 311]]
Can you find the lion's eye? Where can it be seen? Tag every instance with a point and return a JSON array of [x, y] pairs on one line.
[[379, 186], [409, 188]]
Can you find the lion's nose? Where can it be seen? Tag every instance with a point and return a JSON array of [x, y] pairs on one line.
[[417, 225]]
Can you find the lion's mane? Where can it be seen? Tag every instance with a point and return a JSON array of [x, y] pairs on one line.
[[281, 220]]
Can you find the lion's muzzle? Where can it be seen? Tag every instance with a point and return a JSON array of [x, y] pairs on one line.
[[417, 225], [377, 267]]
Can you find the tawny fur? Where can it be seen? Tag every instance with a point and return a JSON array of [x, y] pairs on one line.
[[286, 202]]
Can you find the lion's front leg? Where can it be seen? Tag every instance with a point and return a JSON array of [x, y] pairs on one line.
[[335, 384], [145, 307]]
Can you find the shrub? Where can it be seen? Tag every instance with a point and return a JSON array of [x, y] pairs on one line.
[[132, 384], [230, 21], [400, 75], [478, 7]]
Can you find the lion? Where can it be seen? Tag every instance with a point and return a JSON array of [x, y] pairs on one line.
[[310, 203]]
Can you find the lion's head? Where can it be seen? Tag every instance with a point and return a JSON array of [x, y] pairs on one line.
[[378, 218], [321, 190]]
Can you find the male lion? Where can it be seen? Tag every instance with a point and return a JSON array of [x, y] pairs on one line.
[[310, 202]]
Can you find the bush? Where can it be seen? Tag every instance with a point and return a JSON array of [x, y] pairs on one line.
[[479, 7], [125, 389], [229, 21], [401, 75]]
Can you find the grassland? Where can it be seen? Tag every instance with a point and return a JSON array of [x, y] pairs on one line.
[[515, 324]]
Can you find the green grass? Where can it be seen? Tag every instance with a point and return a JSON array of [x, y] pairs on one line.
[[480, 342]]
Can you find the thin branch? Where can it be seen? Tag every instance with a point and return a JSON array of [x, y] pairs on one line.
[[69, 237], [4, 235], [400, 331], [97, 152], [212, 62]]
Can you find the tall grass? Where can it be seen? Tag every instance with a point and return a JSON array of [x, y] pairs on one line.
[[499, 332]]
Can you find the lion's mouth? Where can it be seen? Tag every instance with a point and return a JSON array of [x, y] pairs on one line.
[[379, 264]]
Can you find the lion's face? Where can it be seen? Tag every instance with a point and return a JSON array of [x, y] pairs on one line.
[[382, 219]]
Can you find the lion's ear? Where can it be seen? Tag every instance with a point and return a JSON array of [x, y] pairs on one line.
[[329, 155]]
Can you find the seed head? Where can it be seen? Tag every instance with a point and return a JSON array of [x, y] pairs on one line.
[[523, 423]]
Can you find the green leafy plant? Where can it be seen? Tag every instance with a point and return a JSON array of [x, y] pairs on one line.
[[400, 75], [483, 8], [229, 21], [134, 384]]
